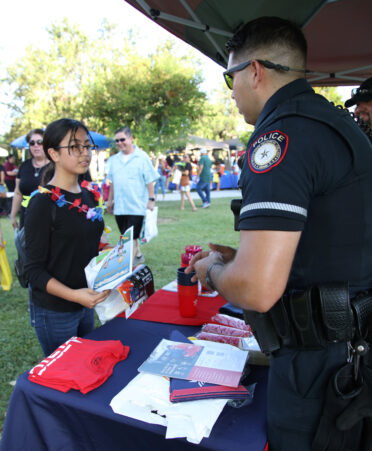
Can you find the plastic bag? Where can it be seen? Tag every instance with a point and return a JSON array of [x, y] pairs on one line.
[[150, 226], [5, 272]]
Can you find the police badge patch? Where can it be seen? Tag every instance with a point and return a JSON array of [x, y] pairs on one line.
[[267, 151]]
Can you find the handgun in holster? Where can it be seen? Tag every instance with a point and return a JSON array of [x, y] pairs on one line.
[[263, 330]]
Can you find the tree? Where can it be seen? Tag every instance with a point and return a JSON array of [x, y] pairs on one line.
[[221, 119], [92, 79], [331, 94], [159, 96]]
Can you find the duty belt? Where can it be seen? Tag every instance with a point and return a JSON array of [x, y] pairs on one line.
[[313, 318]]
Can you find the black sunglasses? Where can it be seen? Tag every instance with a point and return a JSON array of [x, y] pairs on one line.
[[268, 64], [120, 140], [356, 91], [38, 141]]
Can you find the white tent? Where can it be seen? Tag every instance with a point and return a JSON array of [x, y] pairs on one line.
[[3, 152]]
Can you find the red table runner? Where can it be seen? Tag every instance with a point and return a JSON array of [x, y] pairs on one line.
[[162, 307]]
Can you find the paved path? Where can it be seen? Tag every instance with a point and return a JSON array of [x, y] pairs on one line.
[[175, 195]]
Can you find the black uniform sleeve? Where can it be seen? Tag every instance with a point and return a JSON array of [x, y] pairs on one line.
[[38, 228], [306, 164]]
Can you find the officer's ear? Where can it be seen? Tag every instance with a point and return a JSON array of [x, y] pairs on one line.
[[257, 71]]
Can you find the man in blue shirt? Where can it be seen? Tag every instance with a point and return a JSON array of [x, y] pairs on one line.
[[132, 178]]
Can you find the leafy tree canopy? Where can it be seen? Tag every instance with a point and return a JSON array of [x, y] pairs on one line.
[[105, 85]]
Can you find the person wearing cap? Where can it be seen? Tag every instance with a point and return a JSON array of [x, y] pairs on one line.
[[362, 98], [305, 243], [204, 178]]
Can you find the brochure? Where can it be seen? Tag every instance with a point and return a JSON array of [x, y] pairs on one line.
[[217, 364], [111, 267]]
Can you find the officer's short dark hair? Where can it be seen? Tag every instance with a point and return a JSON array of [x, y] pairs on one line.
[[126, 130], [268, 32]]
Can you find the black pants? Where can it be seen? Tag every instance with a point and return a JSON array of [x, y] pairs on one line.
[[296, 391], [10, 184], [126, 221]]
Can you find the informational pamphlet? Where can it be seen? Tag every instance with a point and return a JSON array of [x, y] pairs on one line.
[[111, 267], [217, 364]]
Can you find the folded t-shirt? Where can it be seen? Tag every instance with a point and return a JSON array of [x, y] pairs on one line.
[[79, 363]]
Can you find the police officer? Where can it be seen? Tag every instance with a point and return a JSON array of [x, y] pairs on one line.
[[362, 98], [304, 221]]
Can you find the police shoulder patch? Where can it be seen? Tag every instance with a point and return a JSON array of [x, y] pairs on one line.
[[267, 151]]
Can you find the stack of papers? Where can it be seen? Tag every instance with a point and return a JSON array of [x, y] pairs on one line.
[[211, 362]]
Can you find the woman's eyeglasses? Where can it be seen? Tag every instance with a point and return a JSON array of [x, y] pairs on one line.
[[120, 140], [38, 141], [78, 149]]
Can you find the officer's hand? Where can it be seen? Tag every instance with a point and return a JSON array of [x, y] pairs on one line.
[[200, 263], [196, 257], [227, 253]]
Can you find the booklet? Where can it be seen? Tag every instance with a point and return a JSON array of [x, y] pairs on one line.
[[111, 267], [218, 364]]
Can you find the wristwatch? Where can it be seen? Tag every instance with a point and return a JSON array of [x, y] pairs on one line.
[[208, 274], [152, 199]]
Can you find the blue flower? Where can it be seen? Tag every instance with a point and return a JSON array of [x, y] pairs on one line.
[[61, 201]]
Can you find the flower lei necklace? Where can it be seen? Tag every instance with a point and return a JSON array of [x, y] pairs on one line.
[[59, 199]]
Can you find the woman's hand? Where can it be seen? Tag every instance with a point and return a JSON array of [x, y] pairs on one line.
[[14, 222], [90, 298]]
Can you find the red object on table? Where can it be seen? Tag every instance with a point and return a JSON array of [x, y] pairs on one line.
[[162, 307]]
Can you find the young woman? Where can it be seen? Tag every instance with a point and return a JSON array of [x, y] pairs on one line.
[[63, 227]]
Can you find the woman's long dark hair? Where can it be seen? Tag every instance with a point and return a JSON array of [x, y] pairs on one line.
[[53, 135]]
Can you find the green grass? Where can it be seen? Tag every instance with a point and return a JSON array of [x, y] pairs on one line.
[[19, 348]]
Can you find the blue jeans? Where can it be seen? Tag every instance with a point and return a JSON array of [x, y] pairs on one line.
[[203, 186], [54, 328], [160, 182]]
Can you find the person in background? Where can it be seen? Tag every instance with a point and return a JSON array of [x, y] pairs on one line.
[[61, 240], [132, 178], [217, 176], [305, 241], [185, 183], [162, 167], [3, 211], [29, 175], [1, 237], [362, 98], [204, 176], [11, 172]]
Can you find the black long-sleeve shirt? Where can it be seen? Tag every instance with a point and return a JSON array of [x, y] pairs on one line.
[[59, 247]]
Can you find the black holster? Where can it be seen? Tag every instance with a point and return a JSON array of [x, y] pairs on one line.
[[307, 319]]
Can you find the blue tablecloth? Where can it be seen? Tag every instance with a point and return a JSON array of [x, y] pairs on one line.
[[40, 418]]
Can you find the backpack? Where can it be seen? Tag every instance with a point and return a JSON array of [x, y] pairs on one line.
[[19, 264], [20, 243]]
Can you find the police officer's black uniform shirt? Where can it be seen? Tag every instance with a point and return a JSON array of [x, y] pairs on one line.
[[298, 175]]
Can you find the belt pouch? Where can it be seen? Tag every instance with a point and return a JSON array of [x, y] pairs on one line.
[[263, 329], [336, 311], [303, 314], [282, 325], [362, 306]]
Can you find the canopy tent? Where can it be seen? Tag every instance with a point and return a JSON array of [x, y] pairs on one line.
[[337, 31], [3, 152], [99, 140]]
